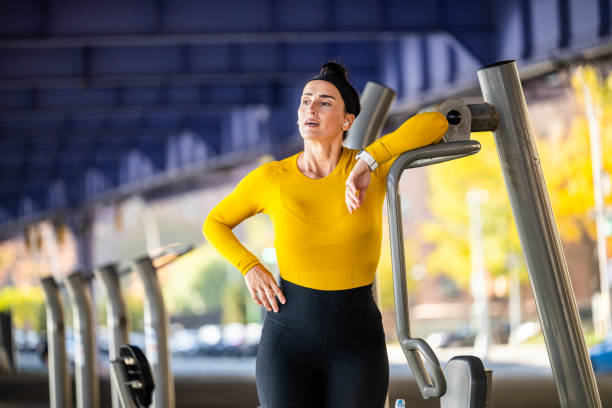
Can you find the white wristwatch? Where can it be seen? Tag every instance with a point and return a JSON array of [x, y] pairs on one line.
[[368, 159]]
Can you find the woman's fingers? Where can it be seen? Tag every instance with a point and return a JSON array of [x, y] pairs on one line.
[[268, 301], [362, 193], [272, 301], [352, 201], [263, 288], [349, 202], [254, 294], [279, 293], [356, 185], [273, 290], [350, 184], [351, 205]]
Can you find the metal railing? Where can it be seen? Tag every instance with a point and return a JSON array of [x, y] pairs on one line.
[[60, 386], [431, 382], [85, 352]]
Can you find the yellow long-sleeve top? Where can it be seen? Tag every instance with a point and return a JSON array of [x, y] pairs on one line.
[[319, 244]]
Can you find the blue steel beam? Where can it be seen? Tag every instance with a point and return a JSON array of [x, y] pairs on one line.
[[66, 65]]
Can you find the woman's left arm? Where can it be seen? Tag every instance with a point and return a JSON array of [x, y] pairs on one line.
[[420, 130]]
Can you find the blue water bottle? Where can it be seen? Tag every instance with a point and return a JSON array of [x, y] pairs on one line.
[[400, 403]]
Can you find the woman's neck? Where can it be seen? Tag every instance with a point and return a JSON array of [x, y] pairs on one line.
[[317, 161]]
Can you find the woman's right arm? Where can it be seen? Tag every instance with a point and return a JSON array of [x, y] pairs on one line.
[[246, 200]]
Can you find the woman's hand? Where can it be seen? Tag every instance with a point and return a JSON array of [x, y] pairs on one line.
[[263, 287], [356, 185]]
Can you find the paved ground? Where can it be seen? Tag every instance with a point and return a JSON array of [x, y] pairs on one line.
[[521, 378]]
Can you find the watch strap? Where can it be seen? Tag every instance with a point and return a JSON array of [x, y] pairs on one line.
[[367, 157]]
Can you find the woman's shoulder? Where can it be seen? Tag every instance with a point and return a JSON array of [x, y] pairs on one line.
[[271, 169], [274, 168], [279, 168], [351, 152]]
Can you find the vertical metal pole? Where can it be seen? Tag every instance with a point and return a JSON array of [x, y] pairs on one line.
[[60, 386], [375, 102], [85, 352], [602, 327], [480, 307], [151, 231], [119, 381], [431, 382], [539, 237], [515, 293], [156, 334], [7, 345], [116, 319]]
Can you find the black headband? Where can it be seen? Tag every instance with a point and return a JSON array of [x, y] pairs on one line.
[[348, 93]]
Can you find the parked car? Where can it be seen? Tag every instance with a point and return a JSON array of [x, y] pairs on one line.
[[524, 332], [462, 337], [184, 342], [26, 340], [601, 355]]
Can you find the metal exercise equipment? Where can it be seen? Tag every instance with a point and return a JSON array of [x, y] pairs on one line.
[[116, 318], [467, 384], [504, 113], [60, 386], [540, 241], [431, 383], [375, 103], [132, 378], [86, 378], [156, 324], [7, 345]]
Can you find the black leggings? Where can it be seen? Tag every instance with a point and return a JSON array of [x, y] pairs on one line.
[[324, 348]]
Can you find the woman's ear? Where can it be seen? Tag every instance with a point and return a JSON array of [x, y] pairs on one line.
[[348, 121]]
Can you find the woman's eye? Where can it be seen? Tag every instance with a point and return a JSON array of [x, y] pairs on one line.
[[304, 102], [326, 103]]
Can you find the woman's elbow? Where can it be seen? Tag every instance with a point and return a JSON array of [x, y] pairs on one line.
[[214, 225], [438, 126], [207, 227]]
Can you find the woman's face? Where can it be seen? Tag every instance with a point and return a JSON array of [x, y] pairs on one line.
[[321, 114]]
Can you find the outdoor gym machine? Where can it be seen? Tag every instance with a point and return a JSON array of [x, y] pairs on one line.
[[504, 113], [467, 378], [60, 386], [85, 351], [540, 241], [156, 335], [116, 318]]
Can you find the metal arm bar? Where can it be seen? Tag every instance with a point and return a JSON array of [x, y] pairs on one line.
[[60, 387], [86, 378], [116, 318], [539, 238], [416, 350]]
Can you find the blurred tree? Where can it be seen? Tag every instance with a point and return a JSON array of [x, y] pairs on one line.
[[384, 273], [449, 229], [193, 284], [210, 283], [8, 257], [134, 306], [568, 163], [234, 302], [27, 305], [565, 157]]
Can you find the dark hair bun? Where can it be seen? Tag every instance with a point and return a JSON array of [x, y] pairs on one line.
[[334, 68]]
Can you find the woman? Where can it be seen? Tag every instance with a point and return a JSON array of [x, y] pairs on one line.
[[323, 345]]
